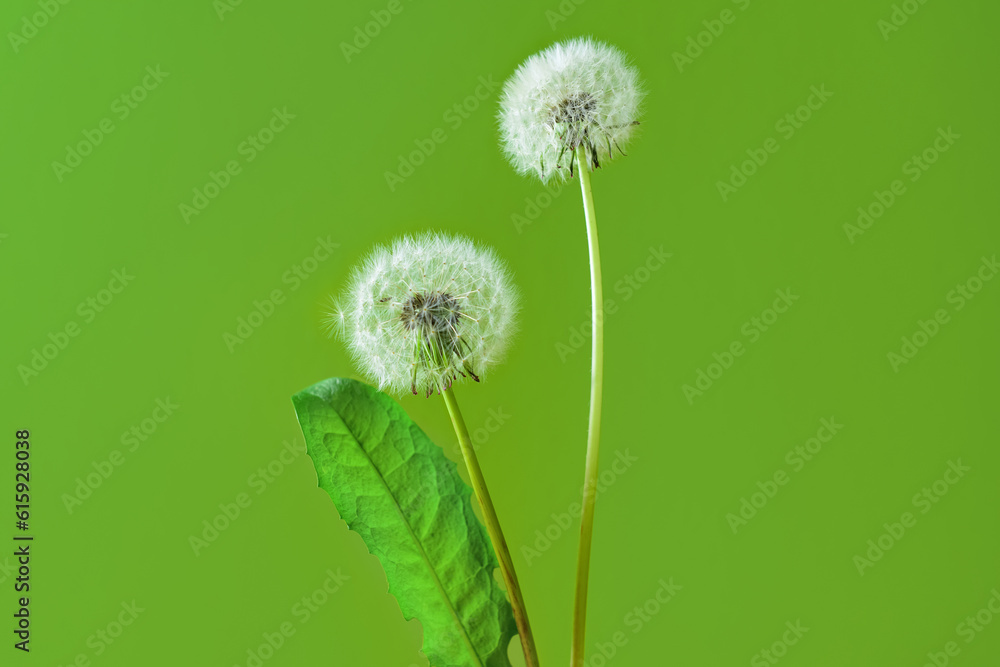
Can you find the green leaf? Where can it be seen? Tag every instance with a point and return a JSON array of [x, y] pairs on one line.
[[396, 489]]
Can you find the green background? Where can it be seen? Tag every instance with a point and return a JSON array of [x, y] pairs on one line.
[[323, 176]]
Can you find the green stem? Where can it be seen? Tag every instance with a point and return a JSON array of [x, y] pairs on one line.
[[594, 430], [493, 528]]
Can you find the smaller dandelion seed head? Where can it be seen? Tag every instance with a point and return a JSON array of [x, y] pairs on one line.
[[574, 93], [427, 311]]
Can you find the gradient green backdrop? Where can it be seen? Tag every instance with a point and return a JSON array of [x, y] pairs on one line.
[[323, 176]]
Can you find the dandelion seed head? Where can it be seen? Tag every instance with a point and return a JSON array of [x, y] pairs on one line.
[[575, 93], [427, 311]]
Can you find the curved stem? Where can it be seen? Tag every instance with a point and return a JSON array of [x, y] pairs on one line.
[[594, 430], [493, 528]]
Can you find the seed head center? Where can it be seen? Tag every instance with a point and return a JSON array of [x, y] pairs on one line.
[[431, 312], [574, 109]]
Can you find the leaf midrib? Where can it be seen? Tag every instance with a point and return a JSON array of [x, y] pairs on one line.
[[420, 546]]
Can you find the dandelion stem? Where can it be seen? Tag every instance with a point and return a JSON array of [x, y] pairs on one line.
[[594, 431], [494, 530]]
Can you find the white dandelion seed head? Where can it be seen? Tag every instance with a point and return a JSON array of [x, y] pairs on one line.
[[427, 311], [574, 93]]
